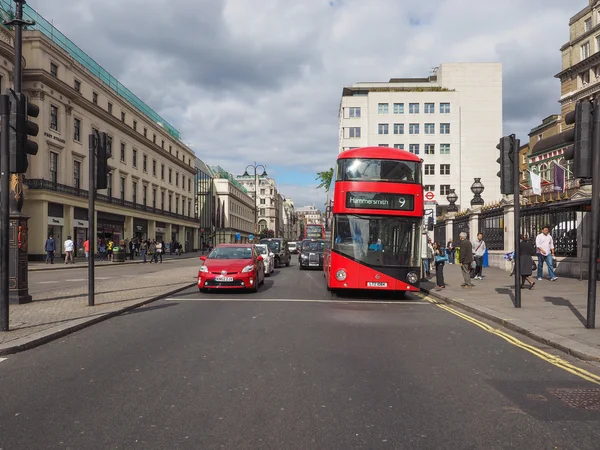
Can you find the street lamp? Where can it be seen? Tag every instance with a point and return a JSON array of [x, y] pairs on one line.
[[264, 174], [452, 198], [477, 188]]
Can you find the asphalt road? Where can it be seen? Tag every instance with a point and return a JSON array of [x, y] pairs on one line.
[[291, 368]]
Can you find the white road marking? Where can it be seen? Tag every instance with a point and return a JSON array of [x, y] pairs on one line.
[[76, 279], [48, 282], [103, 278], [295, 300], [3, 359]]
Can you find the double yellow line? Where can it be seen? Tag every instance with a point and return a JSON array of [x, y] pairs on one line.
[[552, 359]]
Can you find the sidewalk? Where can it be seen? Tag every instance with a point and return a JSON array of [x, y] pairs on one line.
[[59, 263], [54, 314], [552, 313]]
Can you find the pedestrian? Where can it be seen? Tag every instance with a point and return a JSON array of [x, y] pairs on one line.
[[427, 260], [480, 249], [466, 259], [525, 261], [50, 248], [109, 249], [545, 252], [86, 249], [451, 251], [131, 249], [152, 250], [69, 248], [144, 249], [441, 257], [159, 251]]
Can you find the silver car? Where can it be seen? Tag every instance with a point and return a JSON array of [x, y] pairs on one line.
[[268, 258]]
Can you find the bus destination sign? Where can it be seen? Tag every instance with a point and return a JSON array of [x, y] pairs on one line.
[[380, 200]]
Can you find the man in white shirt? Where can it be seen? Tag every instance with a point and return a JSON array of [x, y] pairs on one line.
[[69, 248], [545, 251]]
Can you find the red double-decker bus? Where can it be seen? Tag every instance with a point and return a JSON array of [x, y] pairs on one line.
[[314, 231], [377, 221]]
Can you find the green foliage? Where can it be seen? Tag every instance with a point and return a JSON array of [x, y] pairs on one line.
[[264, 234], [325, 179]]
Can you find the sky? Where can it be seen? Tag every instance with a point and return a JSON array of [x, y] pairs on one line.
[[260, 81]]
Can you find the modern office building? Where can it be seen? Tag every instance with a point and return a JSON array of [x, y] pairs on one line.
[[151, 191], [452, 119]]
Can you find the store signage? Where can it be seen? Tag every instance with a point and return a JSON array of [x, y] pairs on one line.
[[161, 230], [379, 200], [56, 138], [81, 224], [59, 221]]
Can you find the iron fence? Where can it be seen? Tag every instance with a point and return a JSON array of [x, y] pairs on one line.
[[491, 224], [439, 232], [460, 224], [562, 223]]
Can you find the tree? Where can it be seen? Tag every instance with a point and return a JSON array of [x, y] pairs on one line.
[[325, 179], [264, 234]]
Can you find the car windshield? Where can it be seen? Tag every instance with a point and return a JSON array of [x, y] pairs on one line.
[[273, 245], [378, 240], [261, 250], [313, 246], [390, 170], [231, 253]]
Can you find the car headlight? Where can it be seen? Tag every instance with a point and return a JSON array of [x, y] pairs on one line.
[[340, 275], [412, 277], [247, 269], [203, 269], [303, 256]]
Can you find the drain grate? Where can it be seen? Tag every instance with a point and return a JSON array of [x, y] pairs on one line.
[[588, 399]]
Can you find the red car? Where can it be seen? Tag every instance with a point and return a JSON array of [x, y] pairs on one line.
[[231, 266]]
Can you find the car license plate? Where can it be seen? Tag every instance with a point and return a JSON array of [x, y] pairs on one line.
[[223, 278], [376, 284]]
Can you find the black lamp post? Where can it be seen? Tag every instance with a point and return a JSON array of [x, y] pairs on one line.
[[452, 198], [264, 174], [477, 188]]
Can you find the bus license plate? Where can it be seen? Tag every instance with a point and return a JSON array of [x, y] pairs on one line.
[[223, 278], [376, 284]]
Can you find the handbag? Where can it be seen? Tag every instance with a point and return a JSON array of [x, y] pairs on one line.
[[473, 265], [439, 258], [533, 265]]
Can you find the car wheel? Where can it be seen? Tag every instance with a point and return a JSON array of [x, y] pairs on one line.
[[267, 274], [287, 264], [262, 281]]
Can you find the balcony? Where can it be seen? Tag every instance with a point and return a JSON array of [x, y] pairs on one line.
[[47, 185]]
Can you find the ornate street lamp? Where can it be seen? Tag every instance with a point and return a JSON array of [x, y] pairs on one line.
[[477, 188], [264, 174], [452, 198]]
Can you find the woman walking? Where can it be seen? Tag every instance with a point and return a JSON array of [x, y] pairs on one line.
[[526, 262], [441, 258]]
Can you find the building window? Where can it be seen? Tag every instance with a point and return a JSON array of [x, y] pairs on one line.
[[134, 158], [262, 192], [145, 132], [398, 108], [109, 183], [77, 129], [444, 128], [154, 198], [585, 77], [414, 148], [444, 189], [444, 108], [162, 172], [134, 192], [170, 202], [110, 108], [354, 132], [170, 149], [413, 108], [587, 25], [382, 145], [444, 169], [162, 200], [95, 98], [429, 169], [54, 167], [177, 179], [53, 69], [154, 138], [429, 108], [354, 112], [383, 108], [398, 128], [122, 190], [135, 125], [189, 185], [77, 85], [182, 181], [430, 128], [170, 175], [162, 144], [145, 195], [122, 151], [145, 163], [54, 117], [76, 174], [399, 146], [190, 208], [444, 149], [413, 128], [122, 116], [176, 205], [263, 201], [262, 211], [429, 187], [154, 167], [430, 149], [585, 50], [383, 128], [109, 145]]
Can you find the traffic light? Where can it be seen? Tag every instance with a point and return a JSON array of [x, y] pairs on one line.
[[506, 173], [103, 153], [20, 130], [430, 225]]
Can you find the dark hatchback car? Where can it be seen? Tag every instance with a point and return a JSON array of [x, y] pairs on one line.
[[280, 249], [311, 254]]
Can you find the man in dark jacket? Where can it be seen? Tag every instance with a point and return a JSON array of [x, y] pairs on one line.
[[50, 248], [466, 259]]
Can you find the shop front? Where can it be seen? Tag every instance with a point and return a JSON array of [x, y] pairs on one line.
[[174, 233], [160, 230], [189, 240], [110, 227], [140, 229], [80, 230], [56, 223]]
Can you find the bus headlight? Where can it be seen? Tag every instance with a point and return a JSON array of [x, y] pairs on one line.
[[340, 275], [412, 277]]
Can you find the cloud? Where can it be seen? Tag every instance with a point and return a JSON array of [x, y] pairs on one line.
[[249, 81]]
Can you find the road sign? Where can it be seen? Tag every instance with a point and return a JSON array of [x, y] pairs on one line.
[[238, 236], [250, 237], [430, 196]]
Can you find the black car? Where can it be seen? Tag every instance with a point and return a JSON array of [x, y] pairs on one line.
[[280, 249], [311, 254]]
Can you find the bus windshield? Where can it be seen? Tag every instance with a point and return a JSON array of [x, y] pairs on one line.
[[314, 231], [378, 240], [390, 170]]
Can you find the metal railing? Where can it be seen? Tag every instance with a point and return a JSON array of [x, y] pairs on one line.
[[47, 185], [491, 224], [460, 224], [439, 232], [562, 223]]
